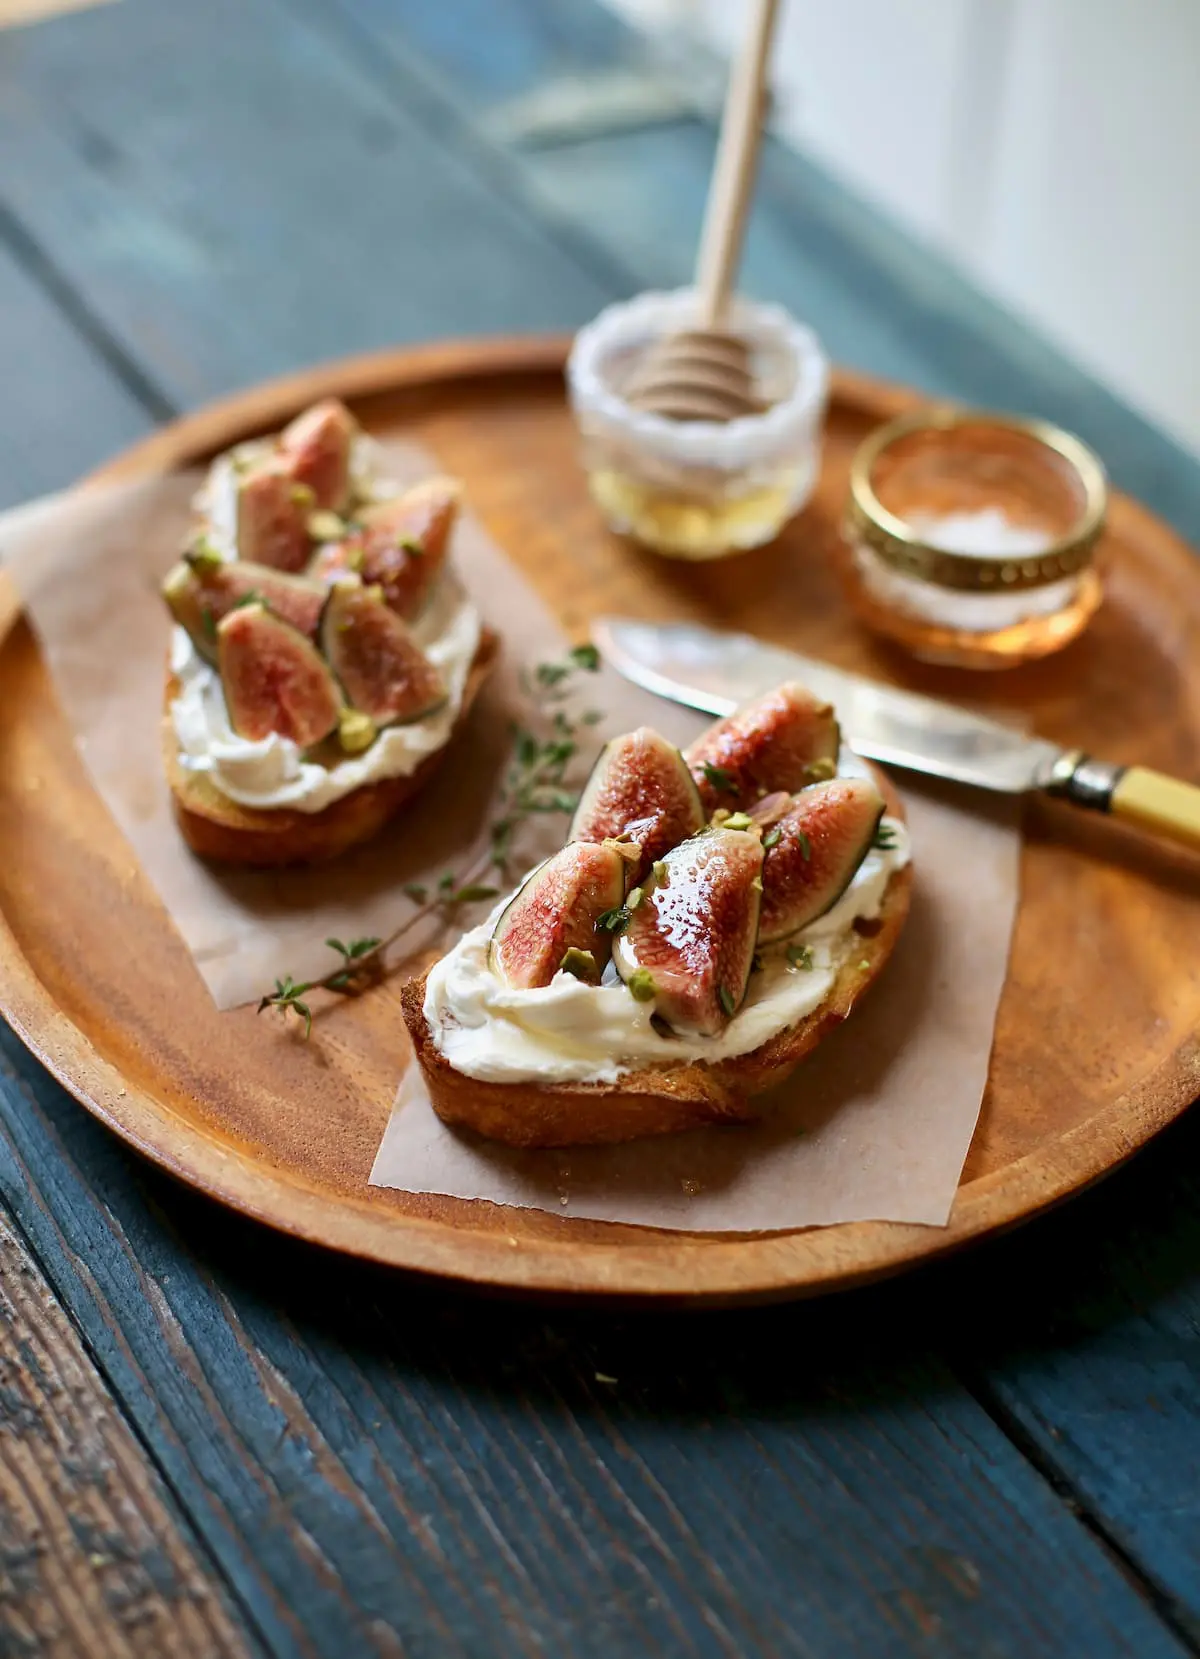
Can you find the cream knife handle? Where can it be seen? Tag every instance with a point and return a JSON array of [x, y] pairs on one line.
[[1152, 801]]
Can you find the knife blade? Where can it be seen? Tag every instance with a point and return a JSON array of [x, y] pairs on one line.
[[717, 672]]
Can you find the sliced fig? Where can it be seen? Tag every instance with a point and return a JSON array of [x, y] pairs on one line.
[[763, 747], [640, 787], [200, 591], [551, 921], [274, 679], [814, 851], [379, 665], [689, 942], [272, 516], [401, 545], [336, 558], [316, 447]]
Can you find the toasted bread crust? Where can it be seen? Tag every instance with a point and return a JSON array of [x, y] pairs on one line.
[[218, 828], [655, 1100]]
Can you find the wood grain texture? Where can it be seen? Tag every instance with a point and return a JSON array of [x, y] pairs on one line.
[[50, 438], [234, 1102], [348, 230], [1056, 1115], [93, 1555], [1085, 1318], [436, 1475], [1083, 1339]]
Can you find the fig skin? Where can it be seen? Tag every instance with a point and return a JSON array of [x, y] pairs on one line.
[[556, 911], [316, 449], [640, 786], [272, 517], [694, 931], [274, 679], [764, 747], [400, 545], [379, 666], [821, 842], [200, 594]]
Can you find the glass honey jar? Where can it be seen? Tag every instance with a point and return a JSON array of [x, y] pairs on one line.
[[970, 537], [698, 489]]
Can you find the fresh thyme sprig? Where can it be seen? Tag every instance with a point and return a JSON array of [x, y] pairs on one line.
[[535, 782]]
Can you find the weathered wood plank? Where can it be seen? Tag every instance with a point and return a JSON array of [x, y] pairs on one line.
[[358, 1458], [94, 1557], [374, 1463], [1090, 1354], [65, 411], [352, 228]]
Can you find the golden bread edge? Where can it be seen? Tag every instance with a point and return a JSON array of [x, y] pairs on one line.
[[655, 1100], [216, 827]]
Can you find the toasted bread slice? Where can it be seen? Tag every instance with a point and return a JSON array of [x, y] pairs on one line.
[[654, 1100], [218, 828]]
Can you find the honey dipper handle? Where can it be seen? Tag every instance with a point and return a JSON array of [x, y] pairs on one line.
[[733, 174]]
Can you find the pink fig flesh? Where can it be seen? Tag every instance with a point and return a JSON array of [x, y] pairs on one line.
[[764, 747], [556, 911], [689, 942], [316, 448], [401, 546], [274, 679], [639, 787], [816, 849], [379, 665], [272, 517], [200, 595]]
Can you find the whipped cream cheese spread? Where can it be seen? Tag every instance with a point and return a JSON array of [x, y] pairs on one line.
[[273, 772], [570, 1032]]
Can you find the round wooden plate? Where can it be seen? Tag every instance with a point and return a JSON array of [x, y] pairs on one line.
[[1096, 1044]]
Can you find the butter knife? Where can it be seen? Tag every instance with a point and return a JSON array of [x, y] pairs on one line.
[[717, 672]]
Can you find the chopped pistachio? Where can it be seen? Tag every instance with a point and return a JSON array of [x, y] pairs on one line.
[[865, 964], [624, 848], [756, 884], [412, 547], [738, 820], [820, 771], [659, 867], [633, 898], [203, 556], [325, 526], [641, 986], [356, 731], [771, 838], [302, 495], [354, 559], [582, 964]]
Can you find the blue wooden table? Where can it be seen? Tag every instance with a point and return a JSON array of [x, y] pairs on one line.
[[217, 1442]]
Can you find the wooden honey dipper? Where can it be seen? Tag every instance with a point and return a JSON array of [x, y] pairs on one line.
[[703, 373]]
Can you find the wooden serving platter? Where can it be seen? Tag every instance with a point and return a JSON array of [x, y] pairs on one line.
[[1096, 1042]]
